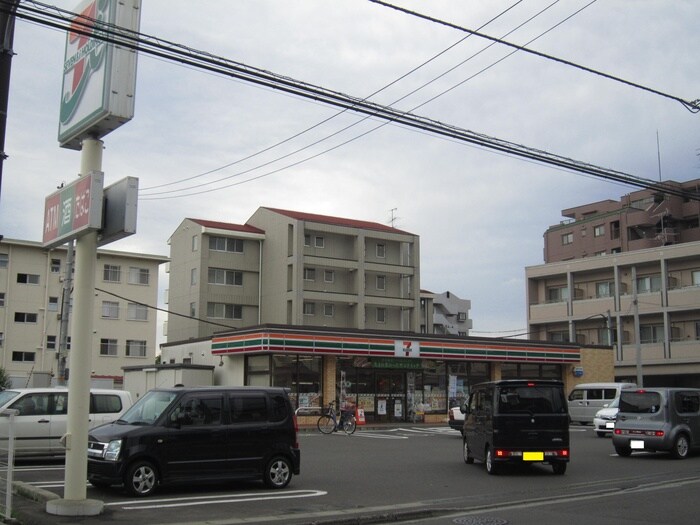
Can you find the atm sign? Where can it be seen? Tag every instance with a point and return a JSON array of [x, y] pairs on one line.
[[73, 210]]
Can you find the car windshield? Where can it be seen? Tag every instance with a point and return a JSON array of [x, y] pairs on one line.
[[6, 396], [640, 402], [531, 400], [147, 409]]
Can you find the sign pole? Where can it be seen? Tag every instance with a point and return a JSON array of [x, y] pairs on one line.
[[74, 502]]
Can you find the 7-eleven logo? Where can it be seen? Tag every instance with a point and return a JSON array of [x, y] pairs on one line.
[[84, 55], [406, 348]]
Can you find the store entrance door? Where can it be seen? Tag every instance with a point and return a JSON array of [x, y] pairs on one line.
[[391, 396]]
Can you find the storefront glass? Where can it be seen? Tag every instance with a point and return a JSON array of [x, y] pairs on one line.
[[300, 373]]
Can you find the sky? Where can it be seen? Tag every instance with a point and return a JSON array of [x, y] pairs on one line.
[[480, 215]]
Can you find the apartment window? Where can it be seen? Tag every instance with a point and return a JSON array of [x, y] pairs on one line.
[[651, 333], [2, 338], [309, 308], [135, 348], [55, 265], [599, 254], [195, 243], [224, 311], [138, 275], [615, 230], [137, 312], [3, 260], [309, 274], [193, 276], [650, 283], [567, 238], [2, 299], [27, 278], [193, 309], [328, 276], [381, 251], [604, 289], [381, 315], [53, 304], [559, 294], [112, 273], [24, 317], [108, 347], [697, 331], [307, 240], [222, 276], [319, 242], [381, 282], [51, 342], [599, 231], [23, 357], [110, 310], [225, 244], [558, 337], [329, 309]]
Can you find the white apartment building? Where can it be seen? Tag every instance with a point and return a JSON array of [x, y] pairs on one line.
[[31, 309], [646, 303], [292, 268], [445, 313]]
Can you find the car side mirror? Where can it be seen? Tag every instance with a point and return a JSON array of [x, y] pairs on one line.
[[463, 408]]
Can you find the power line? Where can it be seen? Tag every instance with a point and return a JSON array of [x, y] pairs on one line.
[[692, 106], [68, 21]]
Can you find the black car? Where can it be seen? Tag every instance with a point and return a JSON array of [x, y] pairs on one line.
[[517, 421], [197, 434]]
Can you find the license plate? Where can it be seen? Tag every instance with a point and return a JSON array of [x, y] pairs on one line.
[[533, 456], [637, 444], [610, 425]]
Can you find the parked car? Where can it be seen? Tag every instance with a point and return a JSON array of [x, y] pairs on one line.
[[658, 419], [586, 399], [182, 435], [42, 416], [517, 421], [604, 420]]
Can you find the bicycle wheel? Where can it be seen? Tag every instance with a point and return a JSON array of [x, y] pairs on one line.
[[349, 425], [325, 424]]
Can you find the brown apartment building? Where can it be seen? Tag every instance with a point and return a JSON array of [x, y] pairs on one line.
[[626, 273]]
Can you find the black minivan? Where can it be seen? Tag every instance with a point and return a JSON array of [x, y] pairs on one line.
[[178, 435], [517, 421]]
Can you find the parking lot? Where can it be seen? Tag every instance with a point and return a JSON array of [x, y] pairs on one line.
[[413, 472]]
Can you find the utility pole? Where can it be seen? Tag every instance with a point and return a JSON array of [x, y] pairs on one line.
[[7, 28]]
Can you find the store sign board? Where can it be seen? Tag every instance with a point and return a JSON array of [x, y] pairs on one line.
[[120, 206], [99, 78], [73, 210]]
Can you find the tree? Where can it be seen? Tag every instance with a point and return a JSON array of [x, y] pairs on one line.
[[5, 381]]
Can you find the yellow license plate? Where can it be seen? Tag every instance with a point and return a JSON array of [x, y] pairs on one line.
[[533, 456]]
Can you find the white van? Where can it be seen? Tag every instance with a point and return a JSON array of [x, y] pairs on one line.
[[586, 399], [42, 416]]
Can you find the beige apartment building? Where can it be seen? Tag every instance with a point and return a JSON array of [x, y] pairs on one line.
[[31, 310], [292, 268], [625, 274]]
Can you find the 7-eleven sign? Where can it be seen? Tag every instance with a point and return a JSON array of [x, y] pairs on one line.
[[406, 348]]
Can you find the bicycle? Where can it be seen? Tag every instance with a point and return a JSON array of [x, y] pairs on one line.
[[328, 422]]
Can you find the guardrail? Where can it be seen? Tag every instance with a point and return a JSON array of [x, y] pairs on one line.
[[7, 461]]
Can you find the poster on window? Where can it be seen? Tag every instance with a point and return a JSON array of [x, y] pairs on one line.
[[398, 408], [381, 407]]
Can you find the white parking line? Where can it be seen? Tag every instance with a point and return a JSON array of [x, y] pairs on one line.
[[213, 500]]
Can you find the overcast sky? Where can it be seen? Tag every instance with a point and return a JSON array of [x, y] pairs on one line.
[[480, 215]]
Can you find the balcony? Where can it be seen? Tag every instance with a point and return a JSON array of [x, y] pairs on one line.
[[548, 312]]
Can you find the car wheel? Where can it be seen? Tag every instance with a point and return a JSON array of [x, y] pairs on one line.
[[624, 452], [141, 479], [278, 472], [681, 447], [466, 453], [491, 465], [559, 467]]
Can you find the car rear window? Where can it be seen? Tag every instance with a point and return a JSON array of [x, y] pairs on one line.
[[531, 400], [106, 404], [640, 402]]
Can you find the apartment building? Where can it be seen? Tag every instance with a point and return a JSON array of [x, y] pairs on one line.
[[292, 268], [445, 313], [31, 310], [625, 274]]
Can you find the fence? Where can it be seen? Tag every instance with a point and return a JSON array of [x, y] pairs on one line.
[[7, 461]]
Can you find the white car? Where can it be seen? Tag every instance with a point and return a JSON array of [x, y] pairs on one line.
[[604, 419], [456, 419], [42, 416]]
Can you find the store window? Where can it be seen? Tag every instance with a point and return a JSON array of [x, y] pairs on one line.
[[302, 374], [434, 386]]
